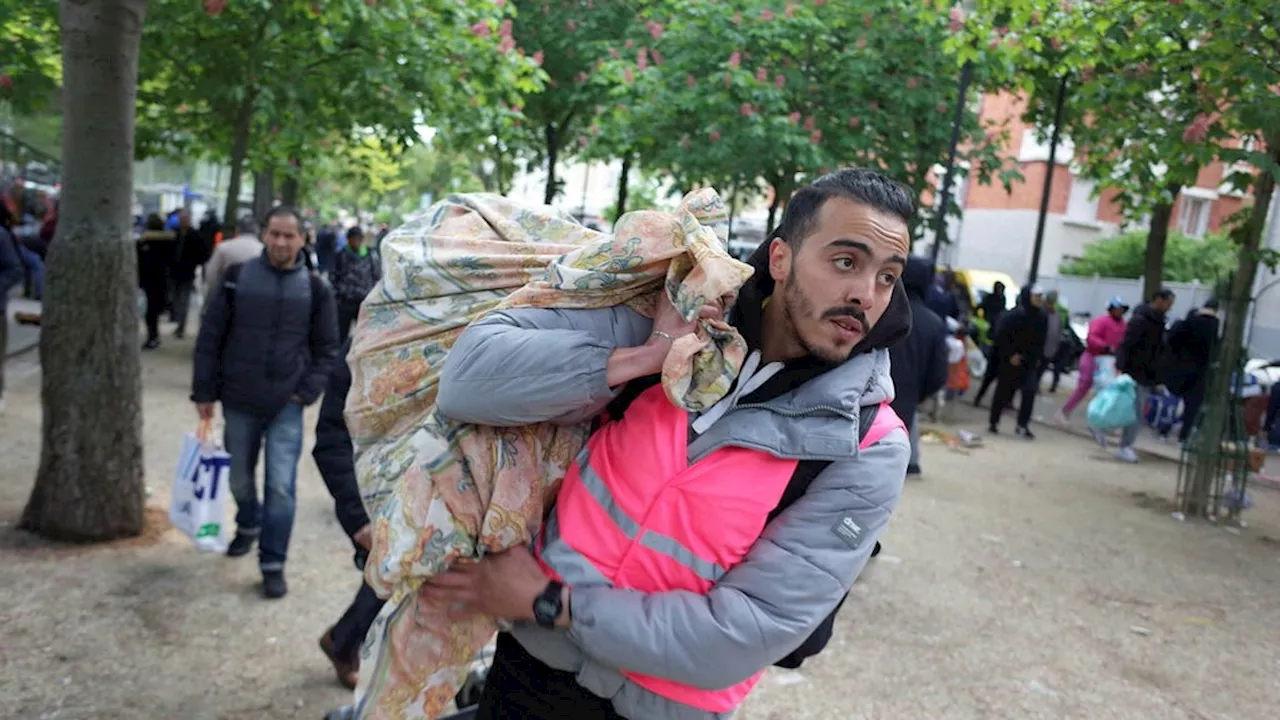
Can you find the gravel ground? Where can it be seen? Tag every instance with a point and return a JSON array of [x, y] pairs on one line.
[[1022, 580]]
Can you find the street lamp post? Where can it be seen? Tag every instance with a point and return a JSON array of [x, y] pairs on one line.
[[944, 198]]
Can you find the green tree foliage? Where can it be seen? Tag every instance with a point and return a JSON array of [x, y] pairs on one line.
[[736, 92], [30, 59], [1186, 259], [263, 81]]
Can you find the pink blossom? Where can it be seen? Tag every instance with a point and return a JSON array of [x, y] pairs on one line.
[[655, 29], [913, 82], [762, 74], [499, 3], [628, 76], [940, 108], [582, 141], [505, 29], [957, 19], [735, 59], [728, 80], [581, 77], [790, 11], [794, 118], [691, 81], [629, 44], [808, 123], [1066, 5], [537, 58], [571, 24], [815, 137], [213, 8], [656, 56], [767, 14], [714, 136], [736, 19], [480, 29], [642, 60], [874, 105], [779, 80], [994, 44], [861, 44], [854, 122], [1198, 130], [746, 110], [819, 3], [1002, 30], [1055, 43], [506, 45], [868, 19], [613, 53]]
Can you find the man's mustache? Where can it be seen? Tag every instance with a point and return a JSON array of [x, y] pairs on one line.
[[846, 311]]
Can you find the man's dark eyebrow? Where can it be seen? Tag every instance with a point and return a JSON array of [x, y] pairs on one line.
[[866, 249]]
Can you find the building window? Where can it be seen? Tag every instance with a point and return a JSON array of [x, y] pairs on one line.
[[1193, 219], [1082, 203]]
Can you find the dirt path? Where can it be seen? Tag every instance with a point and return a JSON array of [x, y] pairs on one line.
[[1025, 580]]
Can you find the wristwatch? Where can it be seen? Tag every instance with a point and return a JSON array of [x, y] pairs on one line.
[[548, 605]]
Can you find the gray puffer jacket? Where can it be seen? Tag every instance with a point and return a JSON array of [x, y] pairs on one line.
[[532, 365], [267, 334]]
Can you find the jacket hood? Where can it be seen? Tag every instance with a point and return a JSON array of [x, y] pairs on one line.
[[863, 379], [1147, 312], [917, 276]]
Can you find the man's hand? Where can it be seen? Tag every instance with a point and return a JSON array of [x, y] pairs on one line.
[[204, 410], [503, 585], [364, 537], [626, 364], [1015, 360]]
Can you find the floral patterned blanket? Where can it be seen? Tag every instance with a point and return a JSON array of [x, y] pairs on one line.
[[439, 491]]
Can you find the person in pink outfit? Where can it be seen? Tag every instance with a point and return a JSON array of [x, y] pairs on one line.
[[1105, 333]]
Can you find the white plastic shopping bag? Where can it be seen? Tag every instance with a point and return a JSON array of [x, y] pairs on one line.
[[1104, 371], [200, 489]]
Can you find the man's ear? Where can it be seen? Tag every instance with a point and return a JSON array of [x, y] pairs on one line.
[[779, 259]]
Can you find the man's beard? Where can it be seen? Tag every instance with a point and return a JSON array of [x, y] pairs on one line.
[[797, 304]]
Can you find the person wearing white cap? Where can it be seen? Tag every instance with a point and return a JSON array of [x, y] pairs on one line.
[[1105, 334]]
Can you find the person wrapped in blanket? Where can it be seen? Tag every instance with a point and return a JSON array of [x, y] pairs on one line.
[[662, 585]]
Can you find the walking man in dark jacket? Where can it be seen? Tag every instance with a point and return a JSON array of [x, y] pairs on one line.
[[918, 364], [1191, 348], [336, 461], [189, 254], [1019, 343], [356, 269], [267, 343], [1140, 356]]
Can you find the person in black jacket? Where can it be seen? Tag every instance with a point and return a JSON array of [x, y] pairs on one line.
[[1191, 349], [335, 459], [1140, 357], [190, 253], [268, 341], [992, 305], [155, 261], [918, 363], [1018, 344]]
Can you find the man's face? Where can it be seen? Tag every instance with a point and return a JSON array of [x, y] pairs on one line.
[[355, 241], [1117, 312], [184, 220], [1037, 301], [1163, 304], [836, 285], [283, 239]]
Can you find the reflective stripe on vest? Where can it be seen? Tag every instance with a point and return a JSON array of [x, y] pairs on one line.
[[632, 513]]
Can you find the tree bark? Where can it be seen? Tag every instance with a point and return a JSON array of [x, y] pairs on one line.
[[1157, 241], [620, 205], [264, 193], [1218, 395], [289, 194], [90, 483], [553, 156], [239, 150]]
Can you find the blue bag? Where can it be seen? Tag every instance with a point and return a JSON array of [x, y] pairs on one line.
[[1115, 406], [1162, 413]]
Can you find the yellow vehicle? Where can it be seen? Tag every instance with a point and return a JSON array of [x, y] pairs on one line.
[[981, 283]]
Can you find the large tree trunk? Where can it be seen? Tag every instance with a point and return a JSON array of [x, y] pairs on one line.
[[553, 156], [1249, 239], [1157, 241], [264, 193], [620, 205], [289, 194], [239, 150], [90, 483]]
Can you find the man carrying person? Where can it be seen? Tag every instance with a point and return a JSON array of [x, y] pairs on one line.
[[267, 342], [820, 311], [1140, 356]]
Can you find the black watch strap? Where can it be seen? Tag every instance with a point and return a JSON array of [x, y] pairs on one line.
[[548, 605]]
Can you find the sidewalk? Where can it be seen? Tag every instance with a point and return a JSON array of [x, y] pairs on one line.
[[21, 337]]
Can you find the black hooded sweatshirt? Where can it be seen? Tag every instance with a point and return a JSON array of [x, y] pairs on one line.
[[1143, 347], [919, 366], [1022, 332]]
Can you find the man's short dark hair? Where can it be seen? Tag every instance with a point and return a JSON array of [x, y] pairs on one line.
[[283, 210], [1163, 294], [857, 184], [355, 231], [246, 225]]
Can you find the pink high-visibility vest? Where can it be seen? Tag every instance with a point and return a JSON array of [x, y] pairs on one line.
[[638, 513]]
